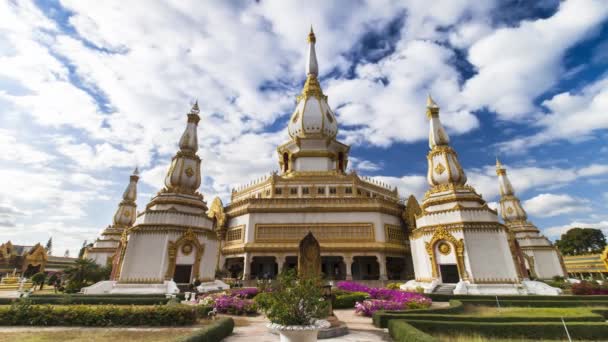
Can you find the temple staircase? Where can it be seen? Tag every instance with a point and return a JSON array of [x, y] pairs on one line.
[[446, 289]]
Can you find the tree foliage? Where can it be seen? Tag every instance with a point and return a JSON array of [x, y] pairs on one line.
[[85, 272], [577, 241], [38, 279], [49, 246]]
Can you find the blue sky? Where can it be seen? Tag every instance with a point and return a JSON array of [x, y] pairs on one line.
[[88, 90]]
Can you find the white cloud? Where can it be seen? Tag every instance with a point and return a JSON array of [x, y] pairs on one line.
[[546, 205], [515, 65], [525, 178], [407, 185], [556, 231]]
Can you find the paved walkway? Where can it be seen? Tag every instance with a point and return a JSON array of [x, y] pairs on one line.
[[360, 329]]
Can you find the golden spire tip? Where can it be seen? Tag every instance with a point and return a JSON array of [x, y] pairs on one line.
[[429, 102], [311, 36]]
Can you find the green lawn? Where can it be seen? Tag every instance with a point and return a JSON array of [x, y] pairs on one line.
[[96, 335], [522, 312]]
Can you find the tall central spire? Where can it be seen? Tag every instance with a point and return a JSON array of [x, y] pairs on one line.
[[312, 67], [312, 116]]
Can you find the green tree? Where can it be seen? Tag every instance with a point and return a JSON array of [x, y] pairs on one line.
[[38, 279], [578, 241], [85, 272], [85, 245]]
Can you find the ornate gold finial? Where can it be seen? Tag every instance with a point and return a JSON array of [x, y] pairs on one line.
[[311, 36], [432, 109], [136, 171], [193, 115], [430, 103], [500, 170]]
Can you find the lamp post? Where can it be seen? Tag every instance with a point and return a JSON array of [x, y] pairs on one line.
[[328, 296]]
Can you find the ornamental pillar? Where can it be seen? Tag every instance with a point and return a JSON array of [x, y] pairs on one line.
[[246, 266], [348, 262], [382, 264], [280, 263]]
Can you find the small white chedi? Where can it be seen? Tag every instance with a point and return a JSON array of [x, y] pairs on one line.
[[455, 237]]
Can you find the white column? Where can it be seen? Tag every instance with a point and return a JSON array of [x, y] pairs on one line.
[[246, 266], [382, 263], [348, 262], [280, 262]]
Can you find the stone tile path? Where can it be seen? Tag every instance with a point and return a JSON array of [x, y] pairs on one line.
[[360, 328]]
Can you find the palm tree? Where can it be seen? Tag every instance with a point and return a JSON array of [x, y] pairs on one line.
[[83, 271]]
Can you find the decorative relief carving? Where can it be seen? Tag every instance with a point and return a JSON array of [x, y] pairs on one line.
[[188, 238], [444, 248], [442, 235], [330, 232], [189, 172], [394, 234], [439, 169]]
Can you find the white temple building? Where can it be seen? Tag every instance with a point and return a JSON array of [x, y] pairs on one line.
[[356, 221], [542, 260], [106, 246], [457, 239], [456, 242]]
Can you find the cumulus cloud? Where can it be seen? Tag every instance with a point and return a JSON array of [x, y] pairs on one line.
[[517, 64], [546, 205], [556, 231], [108, 87]]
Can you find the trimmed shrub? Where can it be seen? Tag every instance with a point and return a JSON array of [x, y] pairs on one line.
[[203, 311], [382, 318], [535, 303], [401, 331], [91, 300], [603, 312], [502, 319], [445, 298], [90, 316], [214, 332], [528, 330], [348, 300]]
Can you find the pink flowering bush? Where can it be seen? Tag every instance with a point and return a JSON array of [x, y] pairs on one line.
[[384, 299], [246, 292], [230, 304]]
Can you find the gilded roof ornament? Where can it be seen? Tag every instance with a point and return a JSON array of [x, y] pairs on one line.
[[311, 36]]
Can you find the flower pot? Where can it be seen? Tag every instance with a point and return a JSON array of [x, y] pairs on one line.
[[298, 335]]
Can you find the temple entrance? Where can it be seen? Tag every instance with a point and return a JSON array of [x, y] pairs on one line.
[[395, 268], [264, 267], [365, 268], [182, 274], [234, 266], [333, 268], [449, 274]]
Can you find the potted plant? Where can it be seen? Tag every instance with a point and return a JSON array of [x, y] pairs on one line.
[[294, 307]]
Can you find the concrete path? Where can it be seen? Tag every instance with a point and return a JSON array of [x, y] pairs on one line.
[[360, 329]]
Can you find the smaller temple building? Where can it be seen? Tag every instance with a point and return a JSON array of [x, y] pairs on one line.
[[29, 260], [106, 247], [588, 266], [541, 260]]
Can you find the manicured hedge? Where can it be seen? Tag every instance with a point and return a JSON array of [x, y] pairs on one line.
[[436, 297], [347, 301], [92, 300], [603, 312], [215, 332], [535, 303], [502, 319], [382, 318], [528, 330], [401, 331], [203, 311], [83, 315]]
